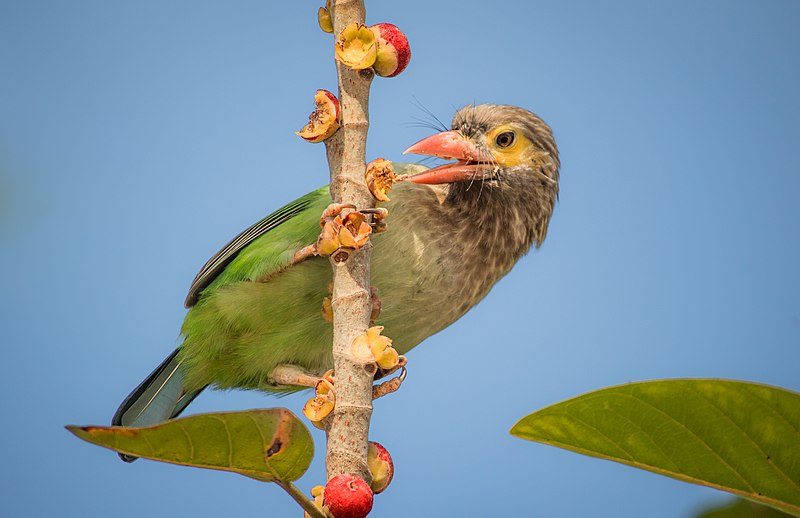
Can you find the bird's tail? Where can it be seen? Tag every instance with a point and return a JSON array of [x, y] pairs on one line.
[[161, 396]]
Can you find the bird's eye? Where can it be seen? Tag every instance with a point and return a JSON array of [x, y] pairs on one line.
[[505, 139]]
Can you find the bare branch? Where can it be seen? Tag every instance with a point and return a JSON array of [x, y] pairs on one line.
[[307, 505], [348, 429]]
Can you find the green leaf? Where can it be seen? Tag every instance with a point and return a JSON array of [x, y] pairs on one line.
[[268, 444], [739, 437], [741, 509]]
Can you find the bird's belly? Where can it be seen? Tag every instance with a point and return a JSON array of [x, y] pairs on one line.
[[237, 334]]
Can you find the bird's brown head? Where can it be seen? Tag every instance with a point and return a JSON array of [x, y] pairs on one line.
[[489, 141], [505, 156]]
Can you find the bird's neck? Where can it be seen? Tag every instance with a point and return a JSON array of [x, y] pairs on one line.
[[503, 217]]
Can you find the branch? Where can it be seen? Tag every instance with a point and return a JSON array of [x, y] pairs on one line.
[[307, 505], [348, 429]]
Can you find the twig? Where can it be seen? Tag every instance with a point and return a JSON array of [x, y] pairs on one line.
[[348, 430], [307, 505]]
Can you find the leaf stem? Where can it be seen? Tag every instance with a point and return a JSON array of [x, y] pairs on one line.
[[298, 496]]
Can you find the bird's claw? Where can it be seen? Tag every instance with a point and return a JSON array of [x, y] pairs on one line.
[[371, 346], [292, 375], [324, 400], [351, 231], [389, 386], [379, 214], [322, 404]]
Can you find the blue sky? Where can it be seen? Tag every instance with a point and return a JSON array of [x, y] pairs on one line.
[[137, 138]]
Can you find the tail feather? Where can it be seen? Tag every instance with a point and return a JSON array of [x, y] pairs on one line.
[[161, 396]]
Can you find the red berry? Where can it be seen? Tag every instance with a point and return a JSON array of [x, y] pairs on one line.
[[347, 496], [394, 53]]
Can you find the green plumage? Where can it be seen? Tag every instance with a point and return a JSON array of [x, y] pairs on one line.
[[252, 308], [260, 313], [227, 330]]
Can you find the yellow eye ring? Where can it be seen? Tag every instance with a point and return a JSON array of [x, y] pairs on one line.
[[505, 139]]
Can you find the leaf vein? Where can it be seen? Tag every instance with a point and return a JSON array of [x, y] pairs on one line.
[[263, 445], [699, 439], [228, 435], [599, 432], [188, 439], [149, 445], [768, 404], [744, 432]]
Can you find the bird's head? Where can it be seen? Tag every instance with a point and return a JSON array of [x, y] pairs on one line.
[[506, 165], [491, 143]]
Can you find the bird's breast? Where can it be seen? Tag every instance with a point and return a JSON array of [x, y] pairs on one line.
[[433, 264]]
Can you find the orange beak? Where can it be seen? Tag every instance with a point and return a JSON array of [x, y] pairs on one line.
[[450, 145]]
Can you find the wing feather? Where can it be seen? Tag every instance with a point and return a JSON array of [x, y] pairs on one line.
[[221, 259]]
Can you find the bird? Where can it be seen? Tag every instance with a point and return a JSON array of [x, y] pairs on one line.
[[455, 230]]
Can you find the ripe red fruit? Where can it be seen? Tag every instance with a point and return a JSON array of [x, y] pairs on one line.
[[394, 52], [380, 465], [347, 496]]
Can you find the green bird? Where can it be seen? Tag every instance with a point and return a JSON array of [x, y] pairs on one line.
[[455, 231]]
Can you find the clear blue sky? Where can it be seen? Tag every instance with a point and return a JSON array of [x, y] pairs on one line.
[[136, 138]]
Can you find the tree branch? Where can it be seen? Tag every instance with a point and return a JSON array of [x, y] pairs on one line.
[[348, 428], [298, 496]]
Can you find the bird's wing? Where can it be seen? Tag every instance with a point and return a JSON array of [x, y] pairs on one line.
[[262, 256], [217, 264]]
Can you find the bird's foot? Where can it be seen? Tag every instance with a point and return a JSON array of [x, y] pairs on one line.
[[324, 401], [389, 386], [329, 214], [372, 346], [392, 385], [377, 222], [292, 375], [304, 253], [402, 361], [343, 233], [334, 210], [318, 407], [322, 404]]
